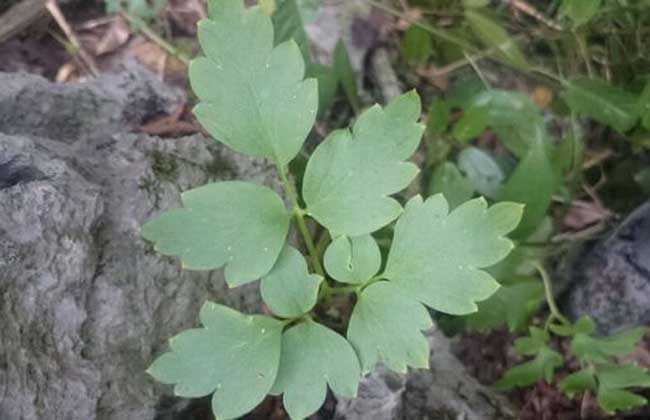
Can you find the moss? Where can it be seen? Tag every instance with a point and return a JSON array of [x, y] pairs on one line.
[[164, 166]]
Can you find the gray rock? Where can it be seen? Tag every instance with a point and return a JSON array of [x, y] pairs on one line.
[[611, 281], [85, 304], [443, 392]]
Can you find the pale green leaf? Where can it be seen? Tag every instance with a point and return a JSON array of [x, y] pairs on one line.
[[512, 305], [253, 96], [541, 367], [607, 104], [233, 223], [416, 45], [289, 290], [235, 356], [386, 327], [436, 256], [482, 170], [612, 400], [351, 174], [580, 11], [493, 35], [314, 356], [448, 181], [578, 382], [352, 260]]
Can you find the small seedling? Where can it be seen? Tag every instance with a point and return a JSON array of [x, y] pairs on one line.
[[254, 99]]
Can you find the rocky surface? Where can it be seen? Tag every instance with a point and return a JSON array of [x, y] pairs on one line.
[[611, 281], [444, 392], [84, 302]]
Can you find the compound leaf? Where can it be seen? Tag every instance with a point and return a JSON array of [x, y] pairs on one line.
[[351, 174], [436, 256], [234, 355], [232, 223], [533, 343], [288, 289], [607, 104], [386, 327], [314, 356], [541, 367], [253, 96], [353, 260]]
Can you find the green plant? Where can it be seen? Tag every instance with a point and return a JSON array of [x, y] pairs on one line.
[[146, 10], [254, 99], [599, 371]]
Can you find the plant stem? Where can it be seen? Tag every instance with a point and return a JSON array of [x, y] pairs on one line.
[[142, 26], [550, 299], [440, 33], [299, 214]]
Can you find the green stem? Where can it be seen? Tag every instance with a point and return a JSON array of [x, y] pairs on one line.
[[550, 299], [142, 26], [440, 33], [299, 214]]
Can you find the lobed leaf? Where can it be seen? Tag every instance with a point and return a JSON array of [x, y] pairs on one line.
[[386, 327], [237, 224], [351, 174], [288, 289], [578, 382], [594, 349], [436, 256], [235, 356], [253, 96], [352, 260], [541, 367], [314, 356], [613, 380]]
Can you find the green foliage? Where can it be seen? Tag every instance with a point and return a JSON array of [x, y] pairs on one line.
[[513, 304], [416, 45], [253, 96], [445, 273], [599, 373], [448, 181], [603, 102], [580, 11], [254, 99], [351, 173], [385, 326], [288, 289], [313, 356], [493, 35], [234, 223], [235, 356], [353, 260], [481, 170]]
